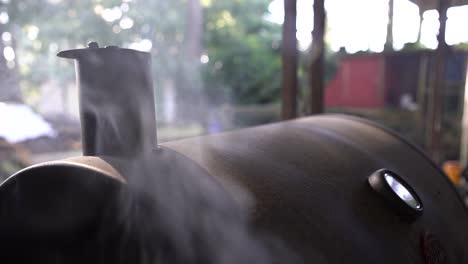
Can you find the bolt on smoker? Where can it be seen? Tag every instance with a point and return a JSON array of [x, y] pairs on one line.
[[333, 188]]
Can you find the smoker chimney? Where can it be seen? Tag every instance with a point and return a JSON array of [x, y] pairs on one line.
[[116, 100]]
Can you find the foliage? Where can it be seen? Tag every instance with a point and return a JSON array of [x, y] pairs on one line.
[[413, 46], [71, 24], [243, 47], [12, 159]]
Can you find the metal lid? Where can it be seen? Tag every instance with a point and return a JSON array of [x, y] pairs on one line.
[[94, 48]]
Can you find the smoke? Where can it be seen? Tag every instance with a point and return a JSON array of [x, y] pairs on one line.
[[170, 210]]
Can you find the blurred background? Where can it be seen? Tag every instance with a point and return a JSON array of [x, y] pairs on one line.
[[225, 64]]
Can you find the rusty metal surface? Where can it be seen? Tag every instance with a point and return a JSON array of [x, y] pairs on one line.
[[309, 181]]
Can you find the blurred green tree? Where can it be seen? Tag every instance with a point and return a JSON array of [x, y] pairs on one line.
[[243, 52], [239, 52]]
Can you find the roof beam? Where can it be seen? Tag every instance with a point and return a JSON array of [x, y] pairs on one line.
[[434, 4]]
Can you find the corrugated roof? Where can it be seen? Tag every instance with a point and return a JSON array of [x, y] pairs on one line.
[[433, 4]]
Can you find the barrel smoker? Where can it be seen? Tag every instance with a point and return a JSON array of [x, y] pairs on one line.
[[334, 188]]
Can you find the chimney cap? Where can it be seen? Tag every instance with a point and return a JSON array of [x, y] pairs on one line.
[[93, 48]]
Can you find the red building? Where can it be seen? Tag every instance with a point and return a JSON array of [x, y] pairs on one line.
[[378, 80], [359, 82]]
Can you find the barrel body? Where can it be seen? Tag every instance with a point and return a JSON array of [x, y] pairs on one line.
[[309, 183]]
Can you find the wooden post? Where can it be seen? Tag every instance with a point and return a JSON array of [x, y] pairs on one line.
[[194, 30], [464, 136], [389, 41], [316, 73], [436, 96], [422, 89], [421, 12], [188, 82], [289, 62]]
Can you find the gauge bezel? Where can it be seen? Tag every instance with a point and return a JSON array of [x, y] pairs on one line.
[[381, 185]]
